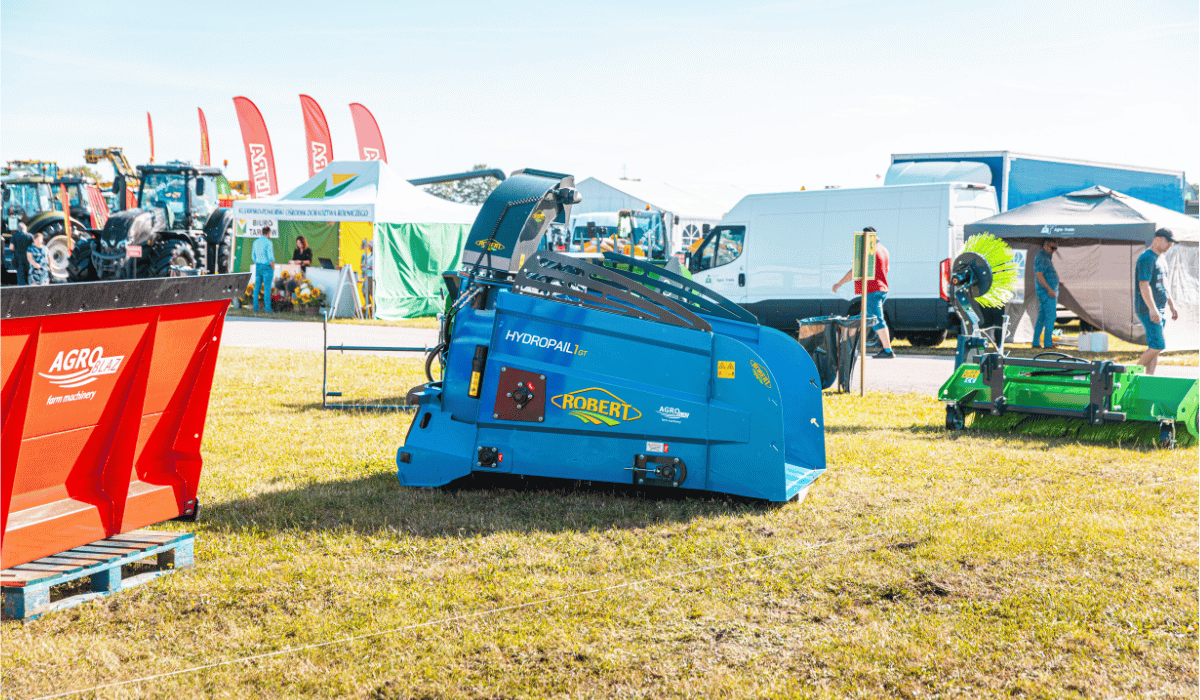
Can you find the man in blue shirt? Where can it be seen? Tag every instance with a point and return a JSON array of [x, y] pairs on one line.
[[263, 255], [1150, 299], [1046, 286]]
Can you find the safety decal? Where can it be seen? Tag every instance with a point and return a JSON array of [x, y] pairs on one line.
[[725, 369]]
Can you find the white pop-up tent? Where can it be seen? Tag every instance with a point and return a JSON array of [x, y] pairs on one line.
[[415, 235]]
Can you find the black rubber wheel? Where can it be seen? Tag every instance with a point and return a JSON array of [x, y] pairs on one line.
[[225, 250], [1166, 436], [954, 418], [81, 267], [926, 339], [170, 255]]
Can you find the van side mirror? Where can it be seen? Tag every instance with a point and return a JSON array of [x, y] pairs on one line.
[[705, 229], [199, 187], [676, 219]]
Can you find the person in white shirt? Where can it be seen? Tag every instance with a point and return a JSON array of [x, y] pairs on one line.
[[263, 255]]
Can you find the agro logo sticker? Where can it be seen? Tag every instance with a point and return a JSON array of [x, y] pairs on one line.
[[760, 373], [596, 406], [490, 245], [658, 447], [970, 375], [671, 414], [72, 368]]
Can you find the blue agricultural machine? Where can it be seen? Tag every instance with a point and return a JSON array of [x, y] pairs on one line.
[[611, 370]]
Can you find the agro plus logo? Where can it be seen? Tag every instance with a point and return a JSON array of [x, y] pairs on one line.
[[596, 406], [671, 414], [72, 368], [760, 374]]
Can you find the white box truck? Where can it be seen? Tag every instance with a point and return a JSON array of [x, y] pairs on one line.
[[779, 255]]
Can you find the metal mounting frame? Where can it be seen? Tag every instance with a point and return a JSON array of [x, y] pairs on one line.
[[572, 281]]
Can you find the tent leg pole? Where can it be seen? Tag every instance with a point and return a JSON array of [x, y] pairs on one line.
[[324, 359]]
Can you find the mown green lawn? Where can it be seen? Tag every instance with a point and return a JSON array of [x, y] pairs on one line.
[[923, 564]]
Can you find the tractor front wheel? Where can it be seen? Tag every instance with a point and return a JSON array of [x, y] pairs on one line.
[[80, 266]]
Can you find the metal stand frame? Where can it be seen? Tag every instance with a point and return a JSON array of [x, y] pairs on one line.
[[326, 393]]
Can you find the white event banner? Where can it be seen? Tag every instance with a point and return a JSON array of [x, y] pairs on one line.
[[303, 211]]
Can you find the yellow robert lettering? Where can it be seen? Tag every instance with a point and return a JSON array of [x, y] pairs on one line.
[[591, 404], [603, 407]]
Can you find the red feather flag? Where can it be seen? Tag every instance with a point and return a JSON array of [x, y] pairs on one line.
[[260, 159], [370, 141], [316, 135]]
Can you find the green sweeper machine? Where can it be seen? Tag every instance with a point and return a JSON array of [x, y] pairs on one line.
[[1053, 394]]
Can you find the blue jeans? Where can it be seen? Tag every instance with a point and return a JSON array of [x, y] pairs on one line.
[[875, 308], [1047, 315], [1154, 331], [264, 275]]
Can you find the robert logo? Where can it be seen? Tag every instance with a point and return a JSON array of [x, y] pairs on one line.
[[490, 245], [671, 414], [761, 374], [596, 406], [72, 368]]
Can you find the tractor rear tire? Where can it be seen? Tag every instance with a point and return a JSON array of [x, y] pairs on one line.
[[81, 267], [58, 253]]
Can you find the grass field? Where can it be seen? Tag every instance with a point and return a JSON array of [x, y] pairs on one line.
[[922, 565]]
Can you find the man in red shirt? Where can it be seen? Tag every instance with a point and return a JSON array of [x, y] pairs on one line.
[[877, 290]]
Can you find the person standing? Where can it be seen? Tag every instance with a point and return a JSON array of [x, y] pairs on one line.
[[1150, 298], [877, 290], [263, 255], [1046, 286], [368, 277], [37, 260], [21, 240], [302, 254]]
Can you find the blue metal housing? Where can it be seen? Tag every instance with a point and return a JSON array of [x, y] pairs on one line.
[[754, 429]]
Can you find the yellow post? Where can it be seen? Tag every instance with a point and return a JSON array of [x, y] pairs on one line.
[[865, 271], [862, 331], [66, 204]]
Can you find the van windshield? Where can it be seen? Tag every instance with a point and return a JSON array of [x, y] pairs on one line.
[[722, 246]]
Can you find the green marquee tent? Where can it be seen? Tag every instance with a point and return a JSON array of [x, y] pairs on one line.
[[416, 236]]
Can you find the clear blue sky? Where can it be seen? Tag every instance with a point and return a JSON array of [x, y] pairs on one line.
[[767, 96]]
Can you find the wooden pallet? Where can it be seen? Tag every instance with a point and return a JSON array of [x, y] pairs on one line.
[[26, 587]]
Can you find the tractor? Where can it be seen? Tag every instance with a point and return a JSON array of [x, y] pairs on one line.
[[177, 228], [30, 198]]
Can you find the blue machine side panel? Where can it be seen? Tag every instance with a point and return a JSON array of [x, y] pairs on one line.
[[1032, 180]]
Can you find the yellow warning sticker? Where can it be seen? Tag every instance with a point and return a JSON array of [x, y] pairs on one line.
[[725, 369]]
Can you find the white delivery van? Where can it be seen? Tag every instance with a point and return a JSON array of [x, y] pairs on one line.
[[779, 255]]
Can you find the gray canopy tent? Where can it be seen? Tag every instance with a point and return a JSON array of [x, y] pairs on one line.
[[1100, 235]]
